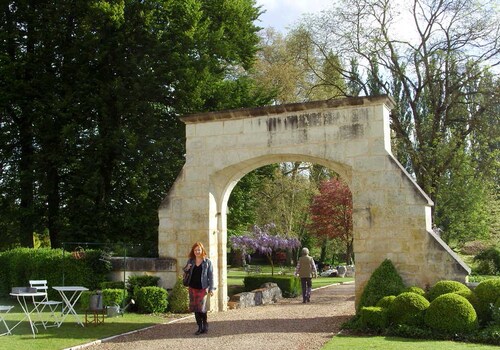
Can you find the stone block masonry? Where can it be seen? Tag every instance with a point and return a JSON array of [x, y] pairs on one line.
[[351, 136]]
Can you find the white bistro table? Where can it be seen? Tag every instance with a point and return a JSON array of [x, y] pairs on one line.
[[70, 295], [28, 308]]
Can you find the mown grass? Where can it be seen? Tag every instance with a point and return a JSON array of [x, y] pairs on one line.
[[70, 333], [341, 342]]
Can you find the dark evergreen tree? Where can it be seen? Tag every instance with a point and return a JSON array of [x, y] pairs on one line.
[[90, 95]]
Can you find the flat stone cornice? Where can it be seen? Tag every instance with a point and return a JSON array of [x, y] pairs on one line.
[[286, 108]]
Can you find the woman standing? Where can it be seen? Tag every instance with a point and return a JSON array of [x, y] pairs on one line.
[[201, 283]]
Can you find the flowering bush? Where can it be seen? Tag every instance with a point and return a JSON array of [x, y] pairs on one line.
[[262, 241]]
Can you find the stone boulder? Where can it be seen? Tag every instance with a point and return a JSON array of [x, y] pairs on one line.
[[268, 293]]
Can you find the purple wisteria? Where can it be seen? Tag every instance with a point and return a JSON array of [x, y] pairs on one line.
[[260, 240]]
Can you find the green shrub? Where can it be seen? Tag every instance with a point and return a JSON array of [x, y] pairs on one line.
[[289, 285], [112, 285], [384, 281], [152, 300], [495, 313], [84, 300], [135, 282], [481, 310], [178, 298], [487, 292], [408, 308], [488, 261], [488, 335], [386, 301], [23, 264], [111, 297], [451, 313], [416, 290], [443, 287], [373, 317]]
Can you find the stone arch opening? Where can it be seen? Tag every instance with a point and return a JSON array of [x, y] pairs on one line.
[[391, 214]]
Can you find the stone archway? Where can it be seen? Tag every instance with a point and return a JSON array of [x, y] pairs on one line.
[[392, 215]]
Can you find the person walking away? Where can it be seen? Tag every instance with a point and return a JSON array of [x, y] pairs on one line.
[[306, 269], [201, 283]]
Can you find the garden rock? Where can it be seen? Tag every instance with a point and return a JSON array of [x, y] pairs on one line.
[[269, 293]]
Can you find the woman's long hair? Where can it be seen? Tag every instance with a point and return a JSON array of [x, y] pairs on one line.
[[203, 251]]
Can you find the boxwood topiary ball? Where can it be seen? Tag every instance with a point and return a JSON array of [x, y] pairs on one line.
[[373, 317], [487, 292], [415, 289], [481, 311], [408, 308], [386, 301], [451, 313], [443, 287]]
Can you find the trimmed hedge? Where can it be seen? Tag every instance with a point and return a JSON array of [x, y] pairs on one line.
[[135, 282], [56, 266], [444, 287], [451, 313], [373, 317], [408, 308], [112, 285], [110, 297], [386, 301], [481, 310], [384, 281], [152, 300], [289, 285], [415, 289], [178, 298], [487, 292]]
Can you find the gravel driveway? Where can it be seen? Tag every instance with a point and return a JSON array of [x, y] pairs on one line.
[[288, 324]]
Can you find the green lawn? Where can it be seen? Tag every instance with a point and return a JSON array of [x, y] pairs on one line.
[[341, 342], [70, 333]]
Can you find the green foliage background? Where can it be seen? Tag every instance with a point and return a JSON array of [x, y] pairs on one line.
[[24, 264]]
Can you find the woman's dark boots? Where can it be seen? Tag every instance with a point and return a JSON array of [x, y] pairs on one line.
[[199, 322], [204, 328]]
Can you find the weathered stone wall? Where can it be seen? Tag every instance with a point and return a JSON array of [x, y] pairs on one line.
[[350, 136], [164, 268]]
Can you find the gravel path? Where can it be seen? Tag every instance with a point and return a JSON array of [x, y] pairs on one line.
[[288, 324]]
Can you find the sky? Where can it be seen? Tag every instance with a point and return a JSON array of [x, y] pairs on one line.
[[281, 14]]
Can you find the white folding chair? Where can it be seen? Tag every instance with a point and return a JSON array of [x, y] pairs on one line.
[[5, 309], [41, 286]]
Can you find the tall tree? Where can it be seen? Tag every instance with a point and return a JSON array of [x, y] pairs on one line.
[[331, 214], [434, 70], [284, 200], [289, 66], [90, 97], [245, 200]]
